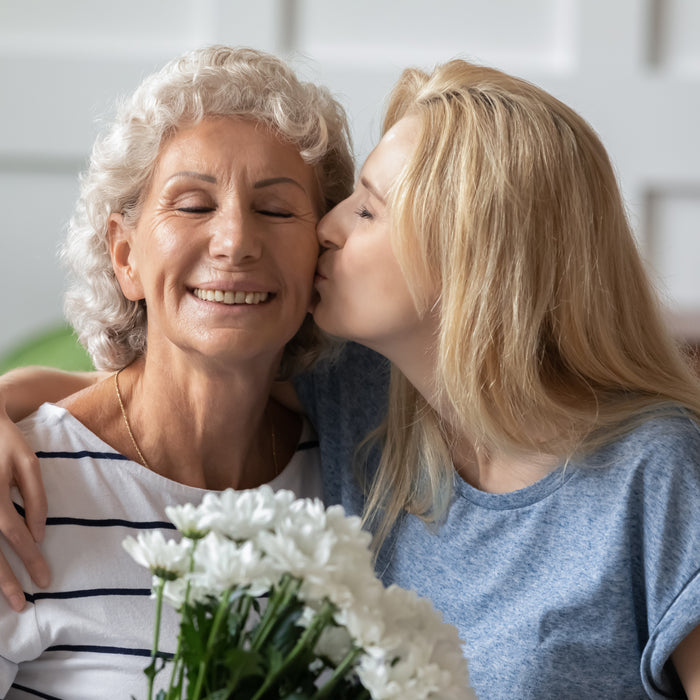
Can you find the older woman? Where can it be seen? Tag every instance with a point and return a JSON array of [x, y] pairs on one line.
[[192, 253]]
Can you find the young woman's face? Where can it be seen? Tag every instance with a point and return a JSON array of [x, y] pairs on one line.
[[225, 248], [363, 295]]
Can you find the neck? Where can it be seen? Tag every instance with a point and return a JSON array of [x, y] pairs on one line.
[[211, 430], [498, 472]]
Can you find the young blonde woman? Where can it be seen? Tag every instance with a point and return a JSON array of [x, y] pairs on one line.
[[537, 467]]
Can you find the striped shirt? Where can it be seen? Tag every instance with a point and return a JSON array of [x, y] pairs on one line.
[[89, 634]]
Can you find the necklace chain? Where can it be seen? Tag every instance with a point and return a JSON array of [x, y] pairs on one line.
[[135, 444], [126, 422], [274, 450]]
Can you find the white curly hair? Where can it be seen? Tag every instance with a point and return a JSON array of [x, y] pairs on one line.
[[211, 81]]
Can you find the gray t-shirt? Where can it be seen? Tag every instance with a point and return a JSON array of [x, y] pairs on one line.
[[578, 586]]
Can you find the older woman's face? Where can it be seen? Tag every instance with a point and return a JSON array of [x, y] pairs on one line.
[[225, 248]]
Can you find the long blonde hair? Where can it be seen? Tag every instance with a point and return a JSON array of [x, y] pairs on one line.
[[551, 338]]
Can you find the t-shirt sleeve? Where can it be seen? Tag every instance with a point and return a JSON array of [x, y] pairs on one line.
[[672, 552]]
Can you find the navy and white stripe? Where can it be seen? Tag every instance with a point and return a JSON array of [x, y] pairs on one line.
[[89, 634]]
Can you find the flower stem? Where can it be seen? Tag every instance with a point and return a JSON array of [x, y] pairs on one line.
[[244, 605], [156, 637], [281, 598], [218, 619], [338, 674], [307, 639], [178, 669]]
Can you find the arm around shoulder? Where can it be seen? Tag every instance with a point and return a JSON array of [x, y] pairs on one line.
[[24, 389]]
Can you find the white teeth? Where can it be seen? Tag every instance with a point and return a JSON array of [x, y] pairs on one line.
[[228, 297]]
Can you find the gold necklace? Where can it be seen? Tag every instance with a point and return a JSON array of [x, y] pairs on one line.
[[274, 451], [135, 444], [126, 422]]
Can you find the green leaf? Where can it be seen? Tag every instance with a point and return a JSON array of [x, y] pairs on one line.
[[221, 694], [275, 659], [244, 663], [287, 632]]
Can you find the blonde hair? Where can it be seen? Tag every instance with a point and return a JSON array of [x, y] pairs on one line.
[[211, 81], [551, 339]]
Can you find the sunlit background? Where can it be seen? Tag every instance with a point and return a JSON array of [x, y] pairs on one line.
[[631, 67]]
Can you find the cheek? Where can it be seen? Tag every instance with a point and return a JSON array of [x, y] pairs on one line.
[[162, 245], [372, 263], [298, 258]]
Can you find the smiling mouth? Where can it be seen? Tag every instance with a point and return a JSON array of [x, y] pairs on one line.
[[228, 297]]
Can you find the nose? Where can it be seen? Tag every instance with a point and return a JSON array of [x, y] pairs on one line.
[[330, 229], [235, 238]]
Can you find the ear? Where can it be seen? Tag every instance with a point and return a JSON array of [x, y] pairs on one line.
[[120, 237]]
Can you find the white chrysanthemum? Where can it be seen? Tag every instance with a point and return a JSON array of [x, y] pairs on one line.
[[418, 655], [187, 519], [256, 536], [408, 677], [327, 553], [299, 543], [166, 559], [334, 643], [220, 563], [366, 623], [348, 527], [174, 592], [241, 515]]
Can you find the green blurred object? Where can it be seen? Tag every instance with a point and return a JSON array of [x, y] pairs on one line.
[[57, 347]]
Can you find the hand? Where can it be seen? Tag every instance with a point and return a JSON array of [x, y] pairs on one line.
[[19, 467]]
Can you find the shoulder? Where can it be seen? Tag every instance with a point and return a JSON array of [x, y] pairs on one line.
[[52, 427], [352, 361], [658, 440], [676, 430], [648, 473], [353, 379], [652, 475], [73, 460], [47, 422]]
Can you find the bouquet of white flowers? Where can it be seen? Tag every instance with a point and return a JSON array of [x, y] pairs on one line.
[[278, 599]]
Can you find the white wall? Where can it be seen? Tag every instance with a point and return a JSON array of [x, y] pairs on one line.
[[631, 67]]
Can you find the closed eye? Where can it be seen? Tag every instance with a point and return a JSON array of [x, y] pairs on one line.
[[277, 214], [364, 213], [195, 210]]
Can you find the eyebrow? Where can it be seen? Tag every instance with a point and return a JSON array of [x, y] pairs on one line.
[[373, 190], [279, 180], [258, 185], [191, 173]]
